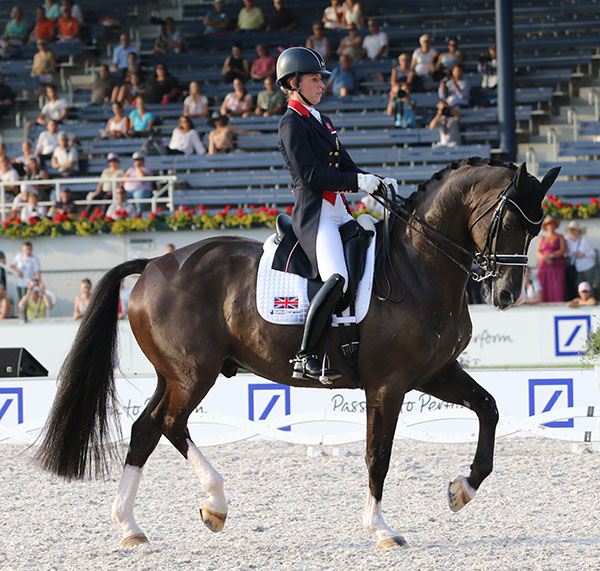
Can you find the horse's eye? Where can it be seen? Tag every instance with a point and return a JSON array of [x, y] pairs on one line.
[[509, 227]]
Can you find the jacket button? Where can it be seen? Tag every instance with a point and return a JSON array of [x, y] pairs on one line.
[[337, 165], [330, 153], [330, 165], [336, 153]]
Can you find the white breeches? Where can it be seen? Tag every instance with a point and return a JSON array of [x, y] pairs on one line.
[[330, 251]]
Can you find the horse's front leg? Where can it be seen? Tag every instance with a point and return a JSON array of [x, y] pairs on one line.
[[456, 386], [383, 409]]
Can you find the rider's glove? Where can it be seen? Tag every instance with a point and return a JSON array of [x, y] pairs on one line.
[[368, 182], [391, 182]]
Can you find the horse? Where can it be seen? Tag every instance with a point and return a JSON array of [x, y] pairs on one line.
[[193, 313]]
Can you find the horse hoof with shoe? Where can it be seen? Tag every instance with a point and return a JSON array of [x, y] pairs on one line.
[[460, 493], [213, 520], [134, 540]]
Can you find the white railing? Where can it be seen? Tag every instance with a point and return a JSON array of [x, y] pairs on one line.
[[164, 195]]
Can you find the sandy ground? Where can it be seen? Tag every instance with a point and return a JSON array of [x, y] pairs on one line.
[[538, 510]]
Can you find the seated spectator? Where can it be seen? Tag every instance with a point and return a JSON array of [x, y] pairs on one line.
[[133, 66], [446, 61], [15, 32], [120, 61], [118, 125], [250, 17], [531, 288], [75, 11], [585, 296], [216, 20], [170, 41], [52, 9], [185, 139], [446, 121], [333, 16], [36, 301], [68, 26], [65, 157], [222, 138], [344, 80], [55, 108], [102, 87], [352, 13], [121, 207], [7, 97], [162, 88], [264, 65], [21, 161], [236, 66], [423, 62], [282, 19], [66, 204], [238, 102], [34, 172], [138, 189], [141, 121], [7, 175], [486, 66], [401, 73], [318, 41], [270, 101], [83, 299], [402, 107], [43, 29], [195, 105], [18, 202], [351, 45], [44, 64], [376, 42], [5, 305], [455, 90], [128, 92], [32, 209], [107, 184], [47, 141]]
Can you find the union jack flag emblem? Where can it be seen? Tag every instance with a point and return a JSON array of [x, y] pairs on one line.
[[285, 303]]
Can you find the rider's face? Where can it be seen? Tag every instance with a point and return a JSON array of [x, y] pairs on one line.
[[312, 86]]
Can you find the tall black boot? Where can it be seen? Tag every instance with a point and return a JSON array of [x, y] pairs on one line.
[[318, 317]]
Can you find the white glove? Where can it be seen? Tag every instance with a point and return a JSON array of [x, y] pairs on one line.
[[391, 182], [368, 182]]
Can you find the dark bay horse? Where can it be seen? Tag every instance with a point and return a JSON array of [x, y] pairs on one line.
[[193, 313]]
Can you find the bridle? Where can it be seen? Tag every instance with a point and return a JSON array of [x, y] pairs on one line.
[[487, 259]]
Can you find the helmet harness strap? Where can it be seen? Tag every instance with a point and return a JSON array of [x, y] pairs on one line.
[[297, 90]]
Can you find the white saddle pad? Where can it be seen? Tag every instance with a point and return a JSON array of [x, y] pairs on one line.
[[282, 298]]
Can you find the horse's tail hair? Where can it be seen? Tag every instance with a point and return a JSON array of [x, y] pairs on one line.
[[84, 414]]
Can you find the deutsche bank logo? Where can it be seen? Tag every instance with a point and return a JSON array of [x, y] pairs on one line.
[[546, 394], [263, 399], [570, 334], [11, 405]]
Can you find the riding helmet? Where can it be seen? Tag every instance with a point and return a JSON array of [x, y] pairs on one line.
[[298, 60]]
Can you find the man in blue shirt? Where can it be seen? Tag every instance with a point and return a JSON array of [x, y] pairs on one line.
[[122, 51], [344, 80]]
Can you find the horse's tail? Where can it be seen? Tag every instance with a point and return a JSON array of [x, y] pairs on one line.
[[84, 412]]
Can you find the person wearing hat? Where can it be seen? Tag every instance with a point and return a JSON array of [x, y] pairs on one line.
[[65, 158], [585, 297], [221, 138], [581, 258], [104, 190], [321, 170], [551, 252], [138, 188], [66, 204]]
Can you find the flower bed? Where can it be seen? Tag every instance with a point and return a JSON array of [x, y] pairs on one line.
[[562, 209]]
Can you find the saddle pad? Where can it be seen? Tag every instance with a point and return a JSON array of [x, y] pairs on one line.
[[282, 297]]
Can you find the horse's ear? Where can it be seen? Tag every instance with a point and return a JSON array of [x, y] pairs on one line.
[[521, 178], [549, 179]]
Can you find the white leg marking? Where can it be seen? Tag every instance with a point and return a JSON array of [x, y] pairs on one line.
[[122, 510], [211, 480], [375, 524]]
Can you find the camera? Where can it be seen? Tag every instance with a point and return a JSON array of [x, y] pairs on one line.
[[401, 93], [36, 288], [485, 57], [447, 112]]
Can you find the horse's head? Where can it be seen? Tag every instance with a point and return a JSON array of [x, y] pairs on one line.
[[505, 231]]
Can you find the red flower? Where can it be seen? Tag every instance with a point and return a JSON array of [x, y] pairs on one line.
[[559, 204], [184, 207], [159, 209], [551, 198], [252, 207], [569, 205], [240, 212], [263, 208], [228, 208], [11, 219], [5, 224], [57, 218], [109, 219], [289, 210], [97, 211], [34, 220], [593, 200], [578, 205], [84, 214], [193, 212], [17, 221], [273, 212], [92, 218], [138, 216], [201, 207], [152, 215]]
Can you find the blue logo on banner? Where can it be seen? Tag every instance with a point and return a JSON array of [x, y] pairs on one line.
[[546, 394], [570, 334], [264, 398], [12, 397]]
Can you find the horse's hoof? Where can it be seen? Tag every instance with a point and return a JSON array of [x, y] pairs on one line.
[[213, 520], [460, 493], [134, 540], [396, 541]]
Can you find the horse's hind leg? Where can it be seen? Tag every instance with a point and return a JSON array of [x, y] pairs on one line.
[[456, 386], [145, 435]]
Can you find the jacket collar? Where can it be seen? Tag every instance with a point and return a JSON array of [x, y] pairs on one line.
[[324, 129]]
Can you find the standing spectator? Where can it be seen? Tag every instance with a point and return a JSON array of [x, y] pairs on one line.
[[401, 73], [446, 121], [162, 88], [455, 90], [104, 190], [68, 26], [423, 62], [102, 86], [584, 297], [333, 16], [5, 305], [195, 105], [44, 64], [43, 29], [32, 209], [52, 9], [531, 288], [35, 301], [402, 107], [581, 258], [282, 20], [216, 20], [7, 175], [235, 65], [185, 139], [238, 102], [351, 45], [344, 80], [83, 299], [55, 108], [270, 101], [264, 65], [376, 42], [353, 14], [65, 157], [47, 141], [170, 41], [318, 41], [27, 266], [141, 121], [551, 250], [120, 61], [118, 125], [15, 32], [66, 204], [446, 61], [250, 17], [487, 68], [138, 189], [7, 97]]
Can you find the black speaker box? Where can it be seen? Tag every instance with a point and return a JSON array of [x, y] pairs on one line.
[[18, 362]]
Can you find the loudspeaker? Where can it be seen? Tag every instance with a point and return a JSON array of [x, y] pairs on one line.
[[18, 362]]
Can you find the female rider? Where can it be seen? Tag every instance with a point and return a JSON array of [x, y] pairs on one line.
[[322, 170]]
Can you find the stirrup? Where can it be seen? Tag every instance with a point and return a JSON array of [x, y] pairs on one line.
[[306, 367]]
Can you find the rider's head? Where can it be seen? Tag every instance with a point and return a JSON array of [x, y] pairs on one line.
[[293, 64]]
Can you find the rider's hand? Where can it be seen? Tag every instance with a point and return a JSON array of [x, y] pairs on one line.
[[391, 182], [368, 182]]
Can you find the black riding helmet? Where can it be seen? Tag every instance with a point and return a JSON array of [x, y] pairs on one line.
[[299, 60]]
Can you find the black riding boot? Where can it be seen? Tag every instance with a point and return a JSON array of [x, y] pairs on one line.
[[306, 363]]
